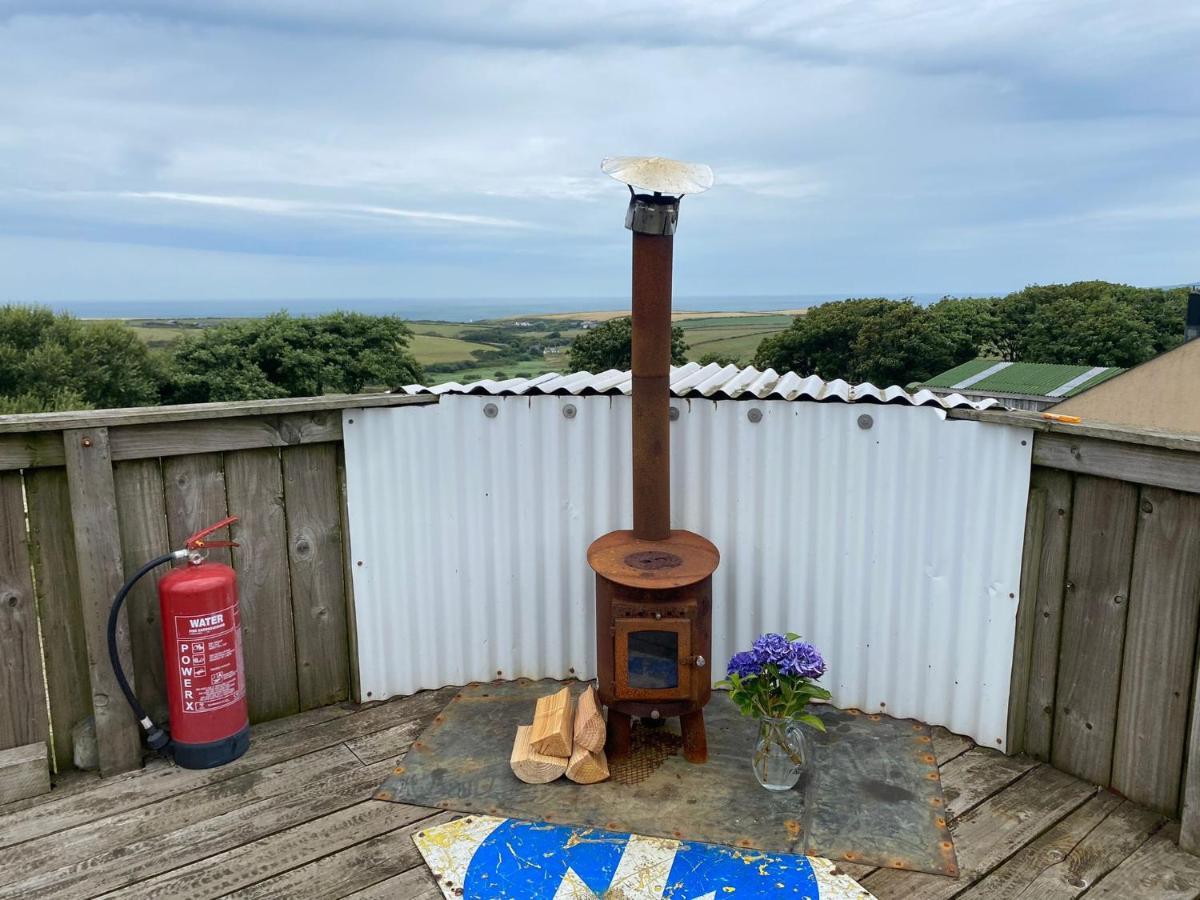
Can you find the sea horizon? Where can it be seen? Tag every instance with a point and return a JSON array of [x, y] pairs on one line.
[[439, 309]]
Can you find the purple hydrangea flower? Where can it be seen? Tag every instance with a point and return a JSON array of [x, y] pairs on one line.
[[806, 661], [773, 649], [744, 665]]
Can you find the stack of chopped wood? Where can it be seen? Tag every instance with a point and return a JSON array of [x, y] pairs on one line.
[[562, 740]]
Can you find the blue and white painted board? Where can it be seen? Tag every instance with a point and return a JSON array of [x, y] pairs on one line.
[[487, 858]]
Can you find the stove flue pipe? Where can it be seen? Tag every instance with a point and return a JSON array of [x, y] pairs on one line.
[[656, 185], [652, 220]]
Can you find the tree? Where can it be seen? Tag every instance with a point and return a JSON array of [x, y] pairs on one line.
[[822, 341], [610, 346], [1089, 323], [285, 356], [970, 325], [54, 361], [902, 345], [721, 359]]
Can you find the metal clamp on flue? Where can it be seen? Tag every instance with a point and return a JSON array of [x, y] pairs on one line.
[[667, 182]]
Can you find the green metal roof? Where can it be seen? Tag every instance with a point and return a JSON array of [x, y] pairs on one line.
[[1034, 379]]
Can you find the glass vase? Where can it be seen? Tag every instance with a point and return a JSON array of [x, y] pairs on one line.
[[781, 754]]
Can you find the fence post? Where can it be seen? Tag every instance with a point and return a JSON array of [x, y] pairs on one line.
[[98, 551]]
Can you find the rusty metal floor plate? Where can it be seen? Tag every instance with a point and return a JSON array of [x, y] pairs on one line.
[[874, 795]]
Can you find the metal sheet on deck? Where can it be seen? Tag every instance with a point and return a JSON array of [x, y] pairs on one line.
[[484, 856], [874, 797]]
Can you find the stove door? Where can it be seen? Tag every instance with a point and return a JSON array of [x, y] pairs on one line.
[[653, 659]]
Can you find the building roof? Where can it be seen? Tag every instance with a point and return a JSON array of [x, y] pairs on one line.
[[994, 376], [713, 381]]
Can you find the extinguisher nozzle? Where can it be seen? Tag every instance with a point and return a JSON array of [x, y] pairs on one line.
[[158, 739]]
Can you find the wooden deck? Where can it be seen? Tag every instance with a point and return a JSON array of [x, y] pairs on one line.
[[293, 819]]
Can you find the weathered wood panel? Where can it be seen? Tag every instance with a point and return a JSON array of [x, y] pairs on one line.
[[141, 511], [255, 489], [22, 698], [1160, 647], [1157, 870], [24, 772], [98, 554], [1073, 855], [186, 412], [1103, 521], [194, 490], [56, 575], [23, 451], [182, 438], [1031, 563], [348, 577], [314, 538], [1189, 832], [1177, 469], [1046, 603]]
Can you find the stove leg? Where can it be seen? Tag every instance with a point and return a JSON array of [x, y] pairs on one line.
[[618, 743], [695, 741]]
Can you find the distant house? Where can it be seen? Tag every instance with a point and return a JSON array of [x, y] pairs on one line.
[[1019, 385], [1159, 394]]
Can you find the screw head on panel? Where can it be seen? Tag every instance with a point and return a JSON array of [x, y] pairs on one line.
[[491, 410], [865, 421], [755, 415], [569, 411], [673, 414]]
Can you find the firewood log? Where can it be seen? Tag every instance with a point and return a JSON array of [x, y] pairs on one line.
[[552, 722], [529, 765], [586, 766], [589, 722]]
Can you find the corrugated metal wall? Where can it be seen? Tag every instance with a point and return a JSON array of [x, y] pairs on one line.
[[895, 548]]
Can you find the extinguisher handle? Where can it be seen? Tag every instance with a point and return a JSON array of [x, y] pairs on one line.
[[199, 540]]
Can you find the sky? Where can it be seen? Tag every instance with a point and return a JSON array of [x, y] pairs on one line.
[[226, 149]]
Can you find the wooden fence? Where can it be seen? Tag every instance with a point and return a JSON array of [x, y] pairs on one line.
[[87, 497], [1106, 668], [1106, 674]]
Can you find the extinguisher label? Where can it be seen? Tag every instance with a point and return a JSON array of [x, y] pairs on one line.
[[208, 651]]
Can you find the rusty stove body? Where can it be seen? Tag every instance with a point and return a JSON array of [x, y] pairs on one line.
[[654, 584]]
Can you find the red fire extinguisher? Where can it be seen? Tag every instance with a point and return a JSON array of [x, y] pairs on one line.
[[202, 650]]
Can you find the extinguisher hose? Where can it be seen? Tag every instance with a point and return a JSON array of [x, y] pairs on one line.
[[156, 737]]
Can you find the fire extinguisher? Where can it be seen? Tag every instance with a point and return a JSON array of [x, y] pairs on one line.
[[202, 650]]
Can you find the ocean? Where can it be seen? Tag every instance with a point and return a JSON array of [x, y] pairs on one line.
[[446, 310]]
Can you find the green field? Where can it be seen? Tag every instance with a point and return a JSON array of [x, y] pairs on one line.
[[430, 349], [523, 369], [440, 343], [735, 337]]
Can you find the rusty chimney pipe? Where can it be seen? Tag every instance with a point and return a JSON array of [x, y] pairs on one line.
[[652, 255], [652, 216]]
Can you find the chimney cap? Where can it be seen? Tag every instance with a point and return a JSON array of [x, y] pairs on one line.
[[658, 174]]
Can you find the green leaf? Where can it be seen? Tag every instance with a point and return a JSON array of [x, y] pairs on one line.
[[810, 719]]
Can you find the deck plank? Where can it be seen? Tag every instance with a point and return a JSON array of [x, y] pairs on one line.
[[947, 745], [122, 867], [54, 851], [989, 834], [976, 775], [357, 867], [1074, 854], [415, 884], [1157, 870], [137, 789], [249, 863]]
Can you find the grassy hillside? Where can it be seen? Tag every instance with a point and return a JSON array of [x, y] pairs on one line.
[[734, 335]]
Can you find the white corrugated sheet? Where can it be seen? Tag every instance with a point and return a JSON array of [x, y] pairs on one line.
[[714, 381], [895, 548]]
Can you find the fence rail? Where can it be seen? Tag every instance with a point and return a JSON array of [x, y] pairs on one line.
[[88, 497], [1106, 671]]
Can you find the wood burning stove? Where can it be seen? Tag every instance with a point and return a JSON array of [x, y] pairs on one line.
[[653, 584]]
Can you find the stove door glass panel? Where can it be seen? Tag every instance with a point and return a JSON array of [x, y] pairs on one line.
[[653, 660]]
